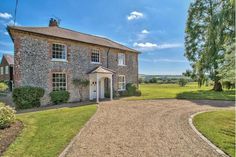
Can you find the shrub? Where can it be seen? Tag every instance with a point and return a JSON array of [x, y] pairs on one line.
[[228, 85], [107, 94], [138, 93], [27, 97], [141, 80], [182, 82], [3, 86], [131, 90], [59, 96], [7, 116], [124, 93]]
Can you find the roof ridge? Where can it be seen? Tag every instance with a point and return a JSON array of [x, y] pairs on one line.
[[83, 33], [105, 39], [97, 37]]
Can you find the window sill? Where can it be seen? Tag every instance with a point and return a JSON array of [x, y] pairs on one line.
[[122, 65], [59, 60], [121, 90], [96, 63]]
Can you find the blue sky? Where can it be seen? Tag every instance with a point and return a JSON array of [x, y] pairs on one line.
[[155, 27]]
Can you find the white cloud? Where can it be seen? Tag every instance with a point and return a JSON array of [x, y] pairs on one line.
[[5, 15], [11, 22], [135, 15], [142, 35], [164, 60], [145, 31], [145, 46], [5, 33], [152, 46]]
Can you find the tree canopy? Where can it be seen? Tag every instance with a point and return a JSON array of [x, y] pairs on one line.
[[209, 27]]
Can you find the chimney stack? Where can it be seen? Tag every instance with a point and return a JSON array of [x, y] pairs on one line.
[[53, 22]]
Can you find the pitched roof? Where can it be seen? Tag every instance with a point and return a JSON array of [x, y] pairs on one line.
[[101, 69], [9, 58], [72, 35]]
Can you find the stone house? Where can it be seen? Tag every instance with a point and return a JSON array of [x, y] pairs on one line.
[[52, 57], [6, 69]]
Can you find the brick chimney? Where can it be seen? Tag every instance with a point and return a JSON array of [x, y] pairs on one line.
[[53, 22]]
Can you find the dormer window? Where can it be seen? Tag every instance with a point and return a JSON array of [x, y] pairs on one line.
[[95, 56], [58, 52]]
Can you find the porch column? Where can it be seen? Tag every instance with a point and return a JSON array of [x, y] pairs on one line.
[[111, 89], [97, 89]]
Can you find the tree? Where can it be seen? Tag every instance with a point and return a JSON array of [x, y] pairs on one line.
[[210, 25], [182, 82], [227, 68], [141, 80], [153, 80], [81, 84]]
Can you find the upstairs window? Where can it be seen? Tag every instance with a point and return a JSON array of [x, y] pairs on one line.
[[95, 56], [6, 69], [59, 81], [58, 52], [121, 59], [121, 82]]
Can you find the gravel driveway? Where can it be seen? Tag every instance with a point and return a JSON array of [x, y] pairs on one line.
[[149, 128]]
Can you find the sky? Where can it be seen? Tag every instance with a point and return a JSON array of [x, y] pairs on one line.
[[154, 27]]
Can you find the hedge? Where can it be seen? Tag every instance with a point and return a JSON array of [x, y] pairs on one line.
[[59, 96], [27, 97], [131, 90]]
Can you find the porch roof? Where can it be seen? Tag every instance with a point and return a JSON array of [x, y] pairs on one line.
[[101, 69]]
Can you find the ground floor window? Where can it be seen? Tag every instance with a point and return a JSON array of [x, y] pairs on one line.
[[121, 82], [59, 81]]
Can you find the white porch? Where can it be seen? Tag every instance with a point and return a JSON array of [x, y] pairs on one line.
[[97, 83]]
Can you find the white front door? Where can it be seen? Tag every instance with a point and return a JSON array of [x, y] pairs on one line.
[[93, 90]]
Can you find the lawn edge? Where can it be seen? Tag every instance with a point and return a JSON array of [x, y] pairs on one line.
[[67, 148], [217, 149]]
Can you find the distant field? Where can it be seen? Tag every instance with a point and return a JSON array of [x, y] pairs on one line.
[[190, 91]]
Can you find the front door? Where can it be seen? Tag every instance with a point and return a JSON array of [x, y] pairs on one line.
[[93, 90]]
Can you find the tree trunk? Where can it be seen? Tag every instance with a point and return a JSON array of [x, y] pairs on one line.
[[217, 86]]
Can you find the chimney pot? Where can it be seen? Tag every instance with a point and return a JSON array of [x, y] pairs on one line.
[[53, 22]]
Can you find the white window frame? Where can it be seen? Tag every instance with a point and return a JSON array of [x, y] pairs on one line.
[[59, 73], [99, 57], [121, 56], [7, 69], [1, 70], [60, 59], [119, 89]]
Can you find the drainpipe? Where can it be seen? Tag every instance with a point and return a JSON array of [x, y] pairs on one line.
[[108, 63], [107, 57]]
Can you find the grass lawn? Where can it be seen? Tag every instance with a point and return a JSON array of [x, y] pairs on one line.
[[47, 133], [219, 128], [190, 91]]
